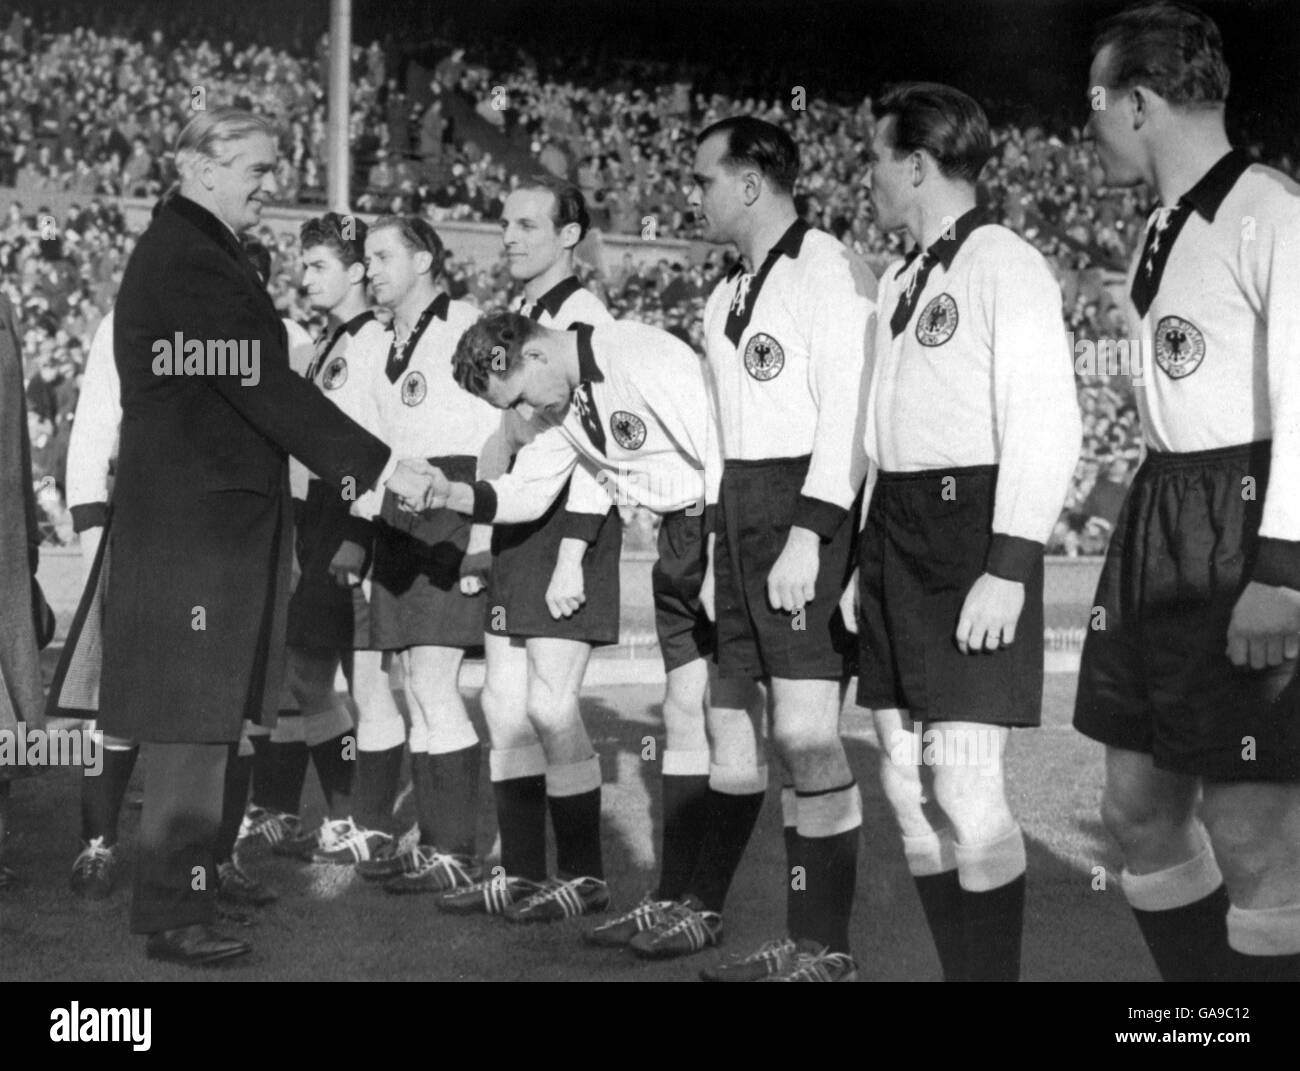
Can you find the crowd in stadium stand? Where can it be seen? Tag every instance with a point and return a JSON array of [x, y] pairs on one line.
[[94, 114]]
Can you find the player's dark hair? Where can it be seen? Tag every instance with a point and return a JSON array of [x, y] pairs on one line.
[[332, 230], [940, 120], [1173, 49], [492, 346], [570, 205], [417, 235], [756, 143], [260, 257]]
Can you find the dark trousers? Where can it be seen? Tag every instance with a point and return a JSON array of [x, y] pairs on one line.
[[175, 872]]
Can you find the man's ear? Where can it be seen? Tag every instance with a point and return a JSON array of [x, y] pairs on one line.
[[751, 183], [1142, 100], [921, 166], [356, 273], [570, 235], [424, 262]]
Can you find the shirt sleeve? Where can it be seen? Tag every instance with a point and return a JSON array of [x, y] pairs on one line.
[[1036, 409], [499, 447], [843, 324], [1276, 253], [94, 432], [527, 491], [586, 507], [680, 395]]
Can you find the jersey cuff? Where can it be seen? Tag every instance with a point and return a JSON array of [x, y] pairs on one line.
[[485, 503], [358, 530], [818, 515], [584, 526], [89, 515], [1278, 563], [1013, 558]]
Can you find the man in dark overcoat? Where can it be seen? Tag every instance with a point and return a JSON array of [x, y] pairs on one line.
[[195, 603]]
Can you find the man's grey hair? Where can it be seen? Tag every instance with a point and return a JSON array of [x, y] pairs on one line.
[[206, 136]]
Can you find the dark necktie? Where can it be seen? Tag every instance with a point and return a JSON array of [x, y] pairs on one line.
[[1162, 230], [907, 302]]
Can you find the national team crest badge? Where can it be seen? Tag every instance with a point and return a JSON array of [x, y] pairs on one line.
[[764, 357], [628, 429], [1180, 346], [336, 374], [414, 389], [937, 322]]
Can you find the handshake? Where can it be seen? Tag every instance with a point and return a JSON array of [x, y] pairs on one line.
[[419, 486]]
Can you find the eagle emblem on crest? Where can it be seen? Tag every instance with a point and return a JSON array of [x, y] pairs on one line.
[[1180, 346], [414, 388], [336, 374], [628, 429], [764, 357], [937, 322]]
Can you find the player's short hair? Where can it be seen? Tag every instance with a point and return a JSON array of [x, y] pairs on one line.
[[492, 346], [207, 135], [331, 230], [260, 257], [756, 143], [940, 120], [570, 204], [1173, 49], [417, 234]]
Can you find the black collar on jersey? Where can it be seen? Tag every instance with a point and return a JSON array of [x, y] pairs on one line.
[[553, 300], [397, 363], [583, 398], [1217, 183], [942, 251], [1165, 223], [588, 370], [788, 245], [351, 328]]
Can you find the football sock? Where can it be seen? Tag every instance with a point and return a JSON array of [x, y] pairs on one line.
[[334, 771], [239, 773], [1182, 912], [453, 779], [1265, 943], [280, 765], [685, 802], [519, 787], [992, 876], [829, 826], [573, 796], [375, 789], [422, 791], [734, 800], [793, 855], [933, 866], [101, 797]]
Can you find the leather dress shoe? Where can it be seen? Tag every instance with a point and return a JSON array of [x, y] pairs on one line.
[[194, 946]]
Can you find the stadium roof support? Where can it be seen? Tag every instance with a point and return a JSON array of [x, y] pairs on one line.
[[338, 170]]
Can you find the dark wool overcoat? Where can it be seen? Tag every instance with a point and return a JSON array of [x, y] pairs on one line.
[[190, 595]]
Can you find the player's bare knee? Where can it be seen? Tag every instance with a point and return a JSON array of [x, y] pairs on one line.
[[974, 802], [552, 712], [1142, 824], [903, 789]]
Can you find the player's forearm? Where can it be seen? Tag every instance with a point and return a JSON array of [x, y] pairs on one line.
[[838, 463], [571, 552], [1034, 474], [1278, 560]]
